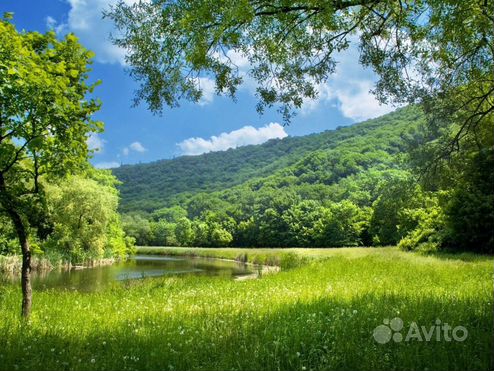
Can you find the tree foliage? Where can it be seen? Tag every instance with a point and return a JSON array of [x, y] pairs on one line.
[[85, 221], [45, 120], [437, 51]]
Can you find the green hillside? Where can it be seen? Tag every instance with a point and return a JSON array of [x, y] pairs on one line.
[[311, 159], [347, 187]]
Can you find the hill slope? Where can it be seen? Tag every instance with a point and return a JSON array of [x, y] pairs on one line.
[[312, 159]]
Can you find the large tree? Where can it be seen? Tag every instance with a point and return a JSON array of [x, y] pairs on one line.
[[427, 50], [45, 120]]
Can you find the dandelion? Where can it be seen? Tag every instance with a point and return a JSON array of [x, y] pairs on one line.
[[93, 360]]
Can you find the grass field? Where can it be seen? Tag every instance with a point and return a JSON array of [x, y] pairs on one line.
[[318, 313]]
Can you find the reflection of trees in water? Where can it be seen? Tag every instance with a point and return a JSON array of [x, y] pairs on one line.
[[98, 277]]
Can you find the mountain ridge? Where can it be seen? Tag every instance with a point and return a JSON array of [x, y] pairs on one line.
[[150, 186]]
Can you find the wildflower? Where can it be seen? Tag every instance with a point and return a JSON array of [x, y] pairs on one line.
[[93, 360]]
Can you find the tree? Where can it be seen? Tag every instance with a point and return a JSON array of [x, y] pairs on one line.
[[301, 219], [169, 214], [85, 219], [340, 225], [470, 211], [163, 233], [45, 120], [139, 228], [387, 224], [437, 51], [184, 232]]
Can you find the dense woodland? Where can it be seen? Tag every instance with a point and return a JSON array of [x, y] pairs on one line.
[[363, 185]]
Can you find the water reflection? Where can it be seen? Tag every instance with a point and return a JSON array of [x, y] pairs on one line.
[[139, 266]]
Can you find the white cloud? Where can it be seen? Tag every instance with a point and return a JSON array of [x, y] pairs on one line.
[[355, 101], [94, 142], [348, 89], [52, 24], [85, 19], [135, 146], [236, 138], [138, 147], [107, 165], [208, 87], [353, 98]]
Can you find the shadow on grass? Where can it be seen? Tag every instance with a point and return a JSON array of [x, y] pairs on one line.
[[467, 257], [324, 334]]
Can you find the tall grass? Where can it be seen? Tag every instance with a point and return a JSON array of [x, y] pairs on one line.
[[319, 315], [283, 258]]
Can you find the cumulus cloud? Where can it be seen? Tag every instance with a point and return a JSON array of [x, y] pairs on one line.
[[236, 138], [85, 19], [349, 89], [353, 98], [355, 101], [107, 165], [135, 147], [138, 147], [208, 90], [95, 143]]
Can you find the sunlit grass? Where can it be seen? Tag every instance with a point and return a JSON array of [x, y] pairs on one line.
[[318, 315]]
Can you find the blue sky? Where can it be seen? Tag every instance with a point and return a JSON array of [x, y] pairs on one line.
[[133, 134]]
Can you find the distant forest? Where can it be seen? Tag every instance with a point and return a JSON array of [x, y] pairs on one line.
[[361, 185]]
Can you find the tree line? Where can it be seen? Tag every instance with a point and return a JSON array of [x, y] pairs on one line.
[[363, 190]]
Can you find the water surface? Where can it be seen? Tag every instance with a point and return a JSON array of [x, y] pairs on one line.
[[137, 267]]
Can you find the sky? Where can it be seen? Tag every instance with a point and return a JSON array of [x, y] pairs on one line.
[[135, 135]]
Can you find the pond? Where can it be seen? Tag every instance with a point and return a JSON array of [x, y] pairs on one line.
[[138, 266]]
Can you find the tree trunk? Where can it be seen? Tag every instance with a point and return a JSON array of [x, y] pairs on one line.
[[8, 203], [27, 293]]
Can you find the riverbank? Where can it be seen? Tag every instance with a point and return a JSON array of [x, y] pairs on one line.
[[12, 265], [282, 258], [321, 314]]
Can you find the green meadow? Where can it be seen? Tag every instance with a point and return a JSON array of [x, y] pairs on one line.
[[318, 313]]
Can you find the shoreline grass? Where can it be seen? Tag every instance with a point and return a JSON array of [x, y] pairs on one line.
[[318, 315]]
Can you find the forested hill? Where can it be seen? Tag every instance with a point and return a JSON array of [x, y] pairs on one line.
[[316, 158]]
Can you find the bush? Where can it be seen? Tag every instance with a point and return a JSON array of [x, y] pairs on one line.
[[428, 234]]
